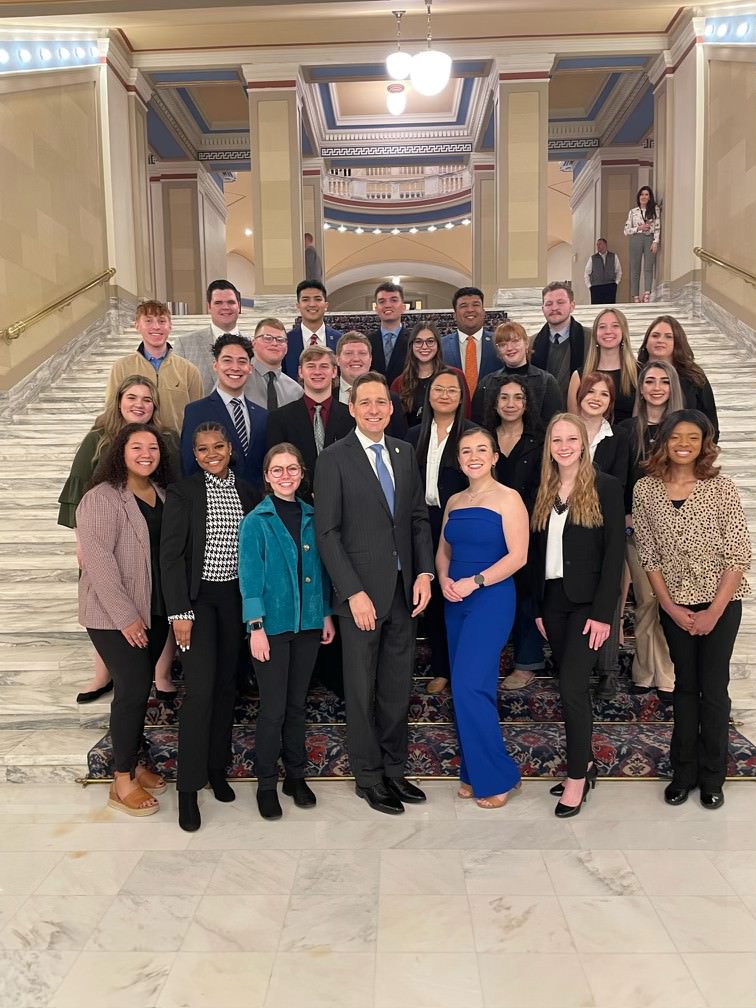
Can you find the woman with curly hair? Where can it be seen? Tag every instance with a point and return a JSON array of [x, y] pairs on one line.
[[666, 340], [609, 351], [577, 552], [643, 228], [693, 542], [120, 599], [423, 362], [136, 400]]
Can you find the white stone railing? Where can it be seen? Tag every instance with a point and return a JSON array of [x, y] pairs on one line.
[[395, 185]]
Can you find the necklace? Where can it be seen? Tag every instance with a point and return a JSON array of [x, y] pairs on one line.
[[479, 493], [560, 506]]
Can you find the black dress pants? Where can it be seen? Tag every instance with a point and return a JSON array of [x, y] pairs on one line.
[[378, 666], [206, 717], [604, 293], [434, 619], [132, 670], [701, 703], [563, 621], [283, 681]]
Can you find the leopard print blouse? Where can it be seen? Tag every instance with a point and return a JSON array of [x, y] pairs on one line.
[[692, 545]]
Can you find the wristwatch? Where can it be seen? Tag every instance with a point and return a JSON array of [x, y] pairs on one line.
[[479, 580], [255, 624]]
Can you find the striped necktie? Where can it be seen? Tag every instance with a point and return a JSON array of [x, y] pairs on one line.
[[239, 425], [318, 429]]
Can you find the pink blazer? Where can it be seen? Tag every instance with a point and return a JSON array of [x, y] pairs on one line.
[[116, 578]]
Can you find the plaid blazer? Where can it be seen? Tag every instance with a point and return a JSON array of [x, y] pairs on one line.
[[116, 577]]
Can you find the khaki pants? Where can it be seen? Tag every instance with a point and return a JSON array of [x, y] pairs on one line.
[[652, 665]]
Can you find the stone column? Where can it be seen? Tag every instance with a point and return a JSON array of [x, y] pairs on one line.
[[522, 121], [312, 205], [276, 164], [484, 227]]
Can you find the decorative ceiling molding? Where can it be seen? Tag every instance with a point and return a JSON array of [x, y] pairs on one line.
[[635, 91], [158, 104]]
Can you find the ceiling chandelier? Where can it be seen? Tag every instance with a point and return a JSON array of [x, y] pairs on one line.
[[428, 70]]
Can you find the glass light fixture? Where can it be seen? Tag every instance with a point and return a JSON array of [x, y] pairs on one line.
[[466, 221], [396, 99], [413, 230], [24, 56], [398, 63], [395, 231], [4, 56], [431, 68], [376, 231], [247, 232], [64, 53], [44, 53], [341, 229], [326, 226], [359, 230]]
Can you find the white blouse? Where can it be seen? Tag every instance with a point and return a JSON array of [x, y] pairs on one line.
[[432, 465], [554, 560], [636, 217]]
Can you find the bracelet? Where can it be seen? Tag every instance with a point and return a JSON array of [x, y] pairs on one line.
[[184, 615], [256, 624]]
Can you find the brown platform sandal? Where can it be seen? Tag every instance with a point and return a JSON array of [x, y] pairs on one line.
[[497, 801], [149, 781], [136, 803]]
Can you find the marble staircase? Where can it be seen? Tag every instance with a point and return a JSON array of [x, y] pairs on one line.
[[45, 656]]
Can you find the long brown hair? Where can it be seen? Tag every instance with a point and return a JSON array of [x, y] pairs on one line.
[[683, 360], [410, 376], [585, 507], [658, 461], [628, 368], [110, 421], [640, 411]]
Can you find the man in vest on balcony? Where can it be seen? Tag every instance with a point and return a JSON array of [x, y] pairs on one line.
[[603, 274]]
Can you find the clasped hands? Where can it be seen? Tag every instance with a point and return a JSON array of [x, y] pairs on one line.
[[456, 591], [697, 624]]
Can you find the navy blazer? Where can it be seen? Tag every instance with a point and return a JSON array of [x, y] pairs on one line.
[[398, 357], [489, 360], [290, 363], [247, 467]]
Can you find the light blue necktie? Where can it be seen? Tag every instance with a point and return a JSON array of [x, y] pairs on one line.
[[388, 344], [383, 476]]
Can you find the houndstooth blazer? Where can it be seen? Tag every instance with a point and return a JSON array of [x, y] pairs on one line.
[[116, 578]]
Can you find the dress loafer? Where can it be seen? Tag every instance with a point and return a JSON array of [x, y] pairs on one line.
[[404, 790], [268, 804], [380, 799], [674, 795], [91, 695], [712, 799], [298, 789]]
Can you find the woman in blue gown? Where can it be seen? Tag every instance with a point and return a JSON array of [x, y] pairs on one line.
[[483, 542]]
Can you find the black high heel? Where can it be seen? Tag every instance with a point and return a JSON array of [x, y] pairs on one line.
[[566, 811], [590, 775]]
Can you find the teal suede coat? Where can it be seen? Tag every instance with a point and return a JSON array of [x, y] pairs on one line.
[[268, 572]]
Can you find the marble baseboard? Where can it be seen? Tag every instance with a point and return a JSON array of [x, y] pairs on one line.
[[62, 773], [740, 333], [530, 296]]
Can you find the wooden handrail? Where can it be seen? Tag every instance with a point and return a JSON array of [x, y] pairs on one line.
[[710, 258], [14, 331]]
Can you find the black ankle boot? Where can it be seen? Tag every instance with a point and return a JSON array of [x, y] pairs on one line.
[[189, 814], [268, 804], [221, 788]]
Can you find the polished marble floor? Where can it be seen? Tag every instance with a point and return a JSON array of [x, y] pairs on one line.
[[630, 905]]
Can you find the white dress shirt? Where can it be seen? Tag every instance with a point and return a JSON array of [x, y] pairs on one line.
[[589, 269], [226, 397], [367, 444], [432, 465], [222, 332], [554, 559], [308, 333], [344, 392], [463, 337]]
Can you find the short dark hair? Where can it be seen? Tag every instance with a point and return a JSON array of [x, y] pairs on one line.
[[603, 240], [232, 339], [389, 288], [369, 376], [466, 292], [311, 284], [112, 466], [210, 427], [222, 285]]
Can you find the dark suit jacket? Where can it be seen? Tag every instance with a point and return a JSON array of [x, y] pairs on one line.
[[292, 423], [450, 479], [358, 538], [592, 558], [540, 354], [611, 455], [489, 360], [212, 407], [290, 363], [396, 362], [182, 540]]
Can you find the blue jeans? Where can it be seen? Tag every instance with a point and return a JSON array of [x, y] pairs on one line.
[[526, 640]]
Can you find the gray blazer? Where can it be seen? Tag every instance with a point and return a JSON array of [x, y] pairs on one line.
[[195, 347], [116, 576]]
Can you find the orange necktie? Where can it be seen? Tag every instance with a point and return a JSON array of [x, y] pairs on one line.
[[471, 365]]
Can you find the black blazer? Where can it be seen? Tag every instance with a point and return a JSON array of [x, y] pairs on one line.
[[182, 541], [701, 397], [521, 470], [450, 478], [358, 538], [292, 423], [544, 395], [592, 558], [396, 361], [540, 355], [612, 454]]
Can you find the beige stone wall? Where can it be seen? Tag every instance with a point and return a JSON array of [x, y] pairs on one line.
[[52, 237], [182, 256], [729, 205], [619, 188], [585, 223]]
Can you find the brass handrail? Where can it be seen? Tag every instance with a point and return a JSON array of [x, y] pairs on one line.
[[709, 258], [14, 331]]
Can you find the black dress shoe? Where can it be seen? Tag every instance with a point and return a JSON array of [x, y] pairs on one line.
[[563, 811], [380, 798], [221, 788], [268, 804], [712, 799], [590, 775], [298, 789], [189, 813], [94, 694], [640, 690], [676, 795], [666, 696], [404, 790], [165, 696]]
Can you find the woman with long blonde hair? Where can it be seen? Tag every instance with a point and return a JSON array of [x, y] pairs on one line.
[[577, 553], [609, 351]]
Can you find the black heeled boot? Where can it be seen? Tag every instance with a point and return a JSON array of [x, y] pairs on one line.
[[221, 788], [189, 813]]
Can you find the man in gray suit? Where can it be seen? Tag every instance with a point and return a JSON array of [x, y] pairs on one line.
[[224, 306], [374, 538]]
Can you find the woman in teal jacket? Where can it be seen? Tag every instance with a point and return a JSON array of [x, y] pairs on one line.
[[286, 605]]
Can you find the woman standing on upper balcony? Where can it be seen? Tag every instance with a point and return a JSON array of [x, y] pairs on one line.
[[643, 227]]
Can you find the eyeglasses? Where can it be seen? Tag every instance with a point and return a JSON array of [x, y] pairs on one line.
[[272, 340], [445, 393], [277, 471], [424, 342]]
